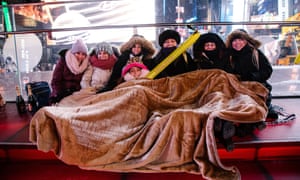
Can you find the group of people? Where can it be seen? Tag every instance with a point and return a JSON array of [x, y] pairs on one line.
[[106, 67]]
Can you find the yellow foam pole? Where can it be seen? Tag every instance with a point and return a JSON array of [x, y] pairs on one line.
[[169, 59]]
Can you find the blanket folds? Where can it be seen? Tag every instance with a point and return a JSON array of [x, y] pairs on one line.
[[163, 125]]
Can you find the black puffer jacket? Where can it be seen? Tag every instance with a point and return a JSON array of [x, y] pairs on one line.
[[181, 64], [242, 63]]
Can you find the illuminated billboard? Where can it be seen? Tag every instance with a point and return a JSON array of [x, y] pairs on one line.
[[92, 14]]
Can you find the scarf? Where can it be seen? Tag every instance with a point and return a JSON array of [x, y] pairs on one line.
[[249, 48], [212, 55], [73, 64], [103, 63], [135, 58], [163, 53], [167, 51]]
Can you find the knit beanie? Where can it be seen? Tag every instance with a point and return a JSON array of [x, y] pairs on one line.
[[134, 64], [104, 46], [168, 34], [79, 46]]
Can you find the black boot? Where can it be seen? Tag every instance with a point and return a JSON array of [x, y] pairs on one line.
[[260, 125], [228, 130], [244, 129], [229, 145], [247, 129], [272, 114], [224, 131], [218, 125], [225, 128]]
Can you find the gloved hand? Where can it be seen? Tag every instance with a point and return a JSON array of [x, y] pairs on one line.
[[53, 100]]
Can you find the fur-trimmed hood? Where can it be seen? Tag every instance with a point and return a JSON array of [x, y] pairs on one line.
[[148, 48], [238, 34]]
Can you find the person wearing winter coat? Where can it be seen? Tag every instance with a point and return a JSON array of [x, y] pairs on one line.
[[135, 70], [137, 49], [168, 41], [249, 63], [100, 68], [68, 71], [210, 52]]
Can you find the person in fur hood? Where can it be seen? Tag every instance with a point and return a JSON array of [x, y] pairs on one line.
[[137, 49], [100, 68], [69, 71], [249, 63], [168, 41], [210, 52]]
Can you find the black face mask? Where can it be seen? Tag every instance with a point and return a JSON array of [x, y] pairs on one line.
[[164, 52], [212, 55], [167, 51]]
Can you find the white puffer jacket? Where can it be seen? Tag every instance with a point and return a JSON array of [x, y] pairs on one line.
[[95, 77]]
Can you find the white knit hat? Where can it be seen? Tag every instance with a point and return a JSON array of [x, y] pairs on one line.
[[79, 46], [104, 46]]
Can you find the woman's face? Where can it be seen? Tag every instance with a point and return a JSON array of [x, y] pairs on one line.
[[238, 44], [210, 46], [169, 43], [80, 56], [136, 49], [135, 72], [103, 55]]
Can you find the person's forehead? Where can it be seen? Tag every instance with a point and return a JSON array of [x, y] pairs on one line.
[[170, 39], [137, 45], [136, 67], [209, 42], [80, 52], [239, 38]]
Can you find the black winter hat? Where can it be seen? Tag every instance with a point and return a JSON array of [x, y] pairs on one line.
[[168, 34], [208, 37]]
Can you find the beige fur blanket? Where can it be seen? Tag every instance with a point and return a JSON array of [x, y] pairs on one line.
[[163, 125]]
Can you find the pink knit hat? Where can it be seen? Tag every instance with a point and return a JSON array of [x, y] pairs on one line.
[[130, 65]]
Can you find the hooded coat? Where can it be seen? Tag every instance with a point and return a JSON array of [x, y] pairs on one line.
[[250, 64], [215, 59]]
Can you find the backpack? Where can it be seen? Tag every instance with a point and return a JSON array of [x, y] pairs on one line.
[[41, 90]]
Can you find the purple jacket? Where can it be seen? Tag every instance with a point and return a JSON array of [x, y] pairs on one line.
[[64, 82]]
